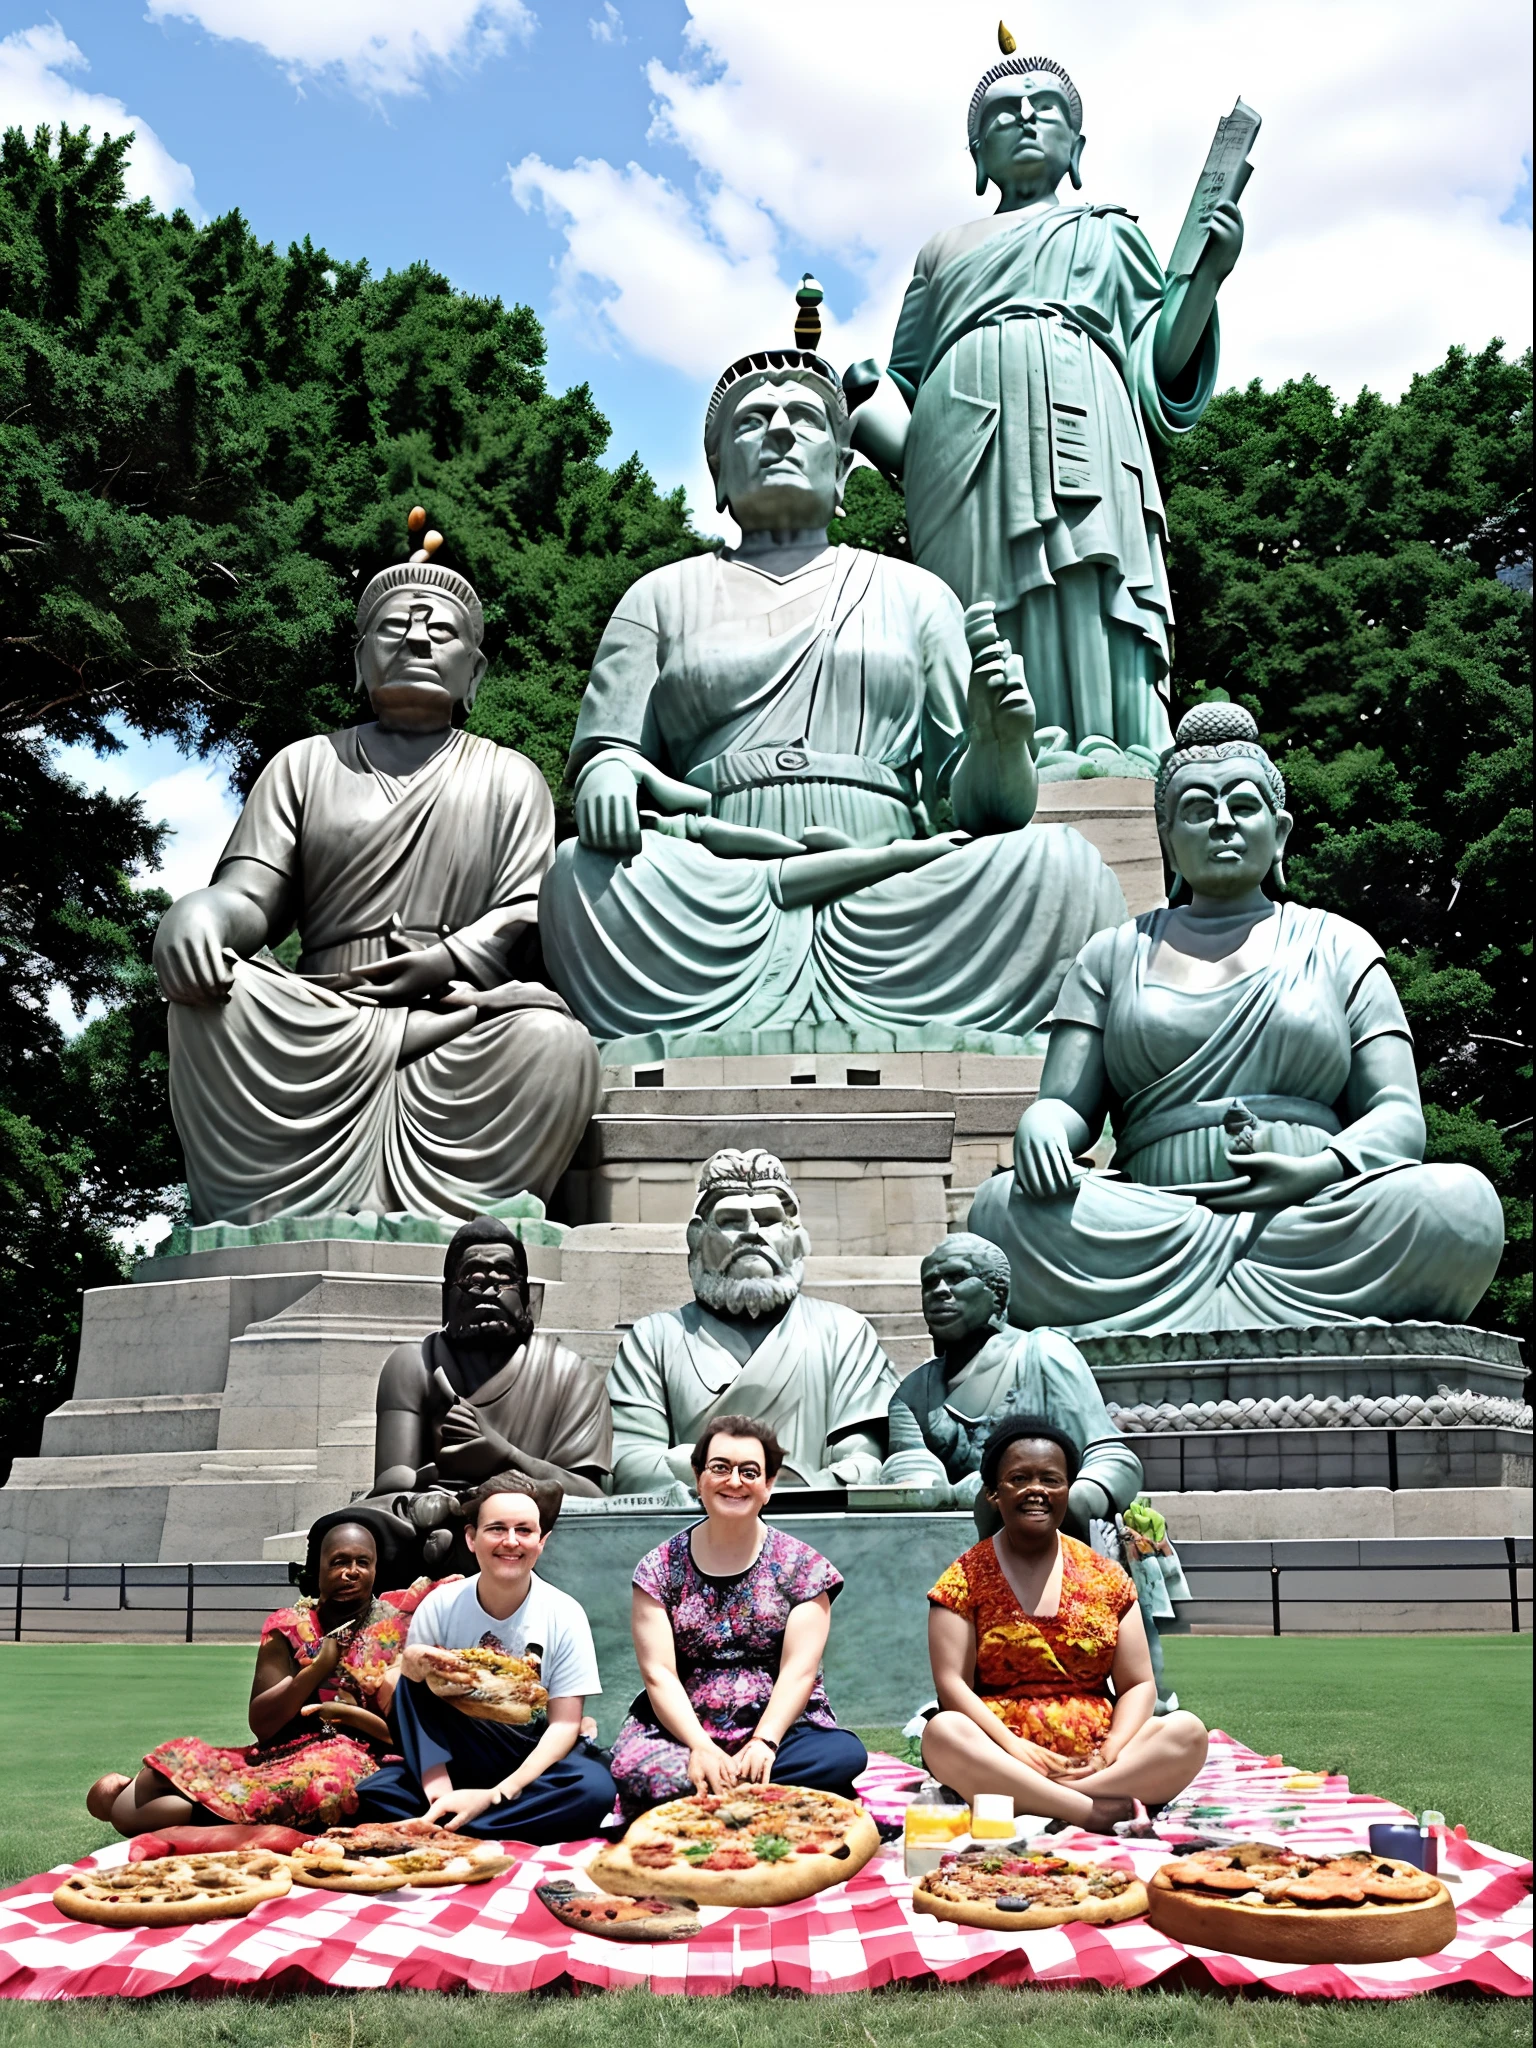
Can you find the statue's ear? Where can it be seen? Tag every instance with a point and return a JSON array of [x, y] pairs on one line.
[[476, 677], [1075, 164], [982, 180], [357, 667]]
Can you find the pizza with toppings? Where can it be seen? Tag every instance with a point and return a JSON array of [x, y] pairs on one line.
[[175, 1891], [758, 1845], [1000, 1885], [618, 1919], [486, 1684], [1251, 1899], [384, 1857]]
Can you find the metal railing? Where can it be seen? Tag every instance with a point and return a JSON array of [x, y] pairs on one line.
[[1514, 1565], [111, 1601]]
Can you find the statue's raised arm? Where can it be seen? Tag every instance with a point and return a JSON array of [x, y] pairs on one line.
[[1039, 355]]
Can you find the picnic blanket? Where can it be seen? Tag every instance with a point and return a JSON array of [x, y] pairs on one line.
[[497, 1937]]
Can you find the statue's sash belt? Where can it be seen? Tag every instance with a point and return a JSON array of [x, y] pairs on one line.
[[763, 766], [1203, 1116]]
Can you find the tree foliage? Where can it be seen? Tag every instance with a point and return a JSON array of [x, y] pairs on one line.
[[206, 448]]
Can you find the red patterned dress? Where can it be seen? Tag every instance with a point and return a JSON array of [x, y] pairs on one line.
[[307, 1777], [1046, 1677]]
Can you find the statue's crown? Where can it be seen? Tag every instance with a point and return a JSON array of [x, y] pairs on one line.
[[1018, 67], [733, 1172], [420, 572], [763, 365]]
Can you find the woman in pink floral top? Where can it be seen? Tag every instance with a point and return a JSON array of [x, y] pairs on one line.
[[730, 1619], [324, 1676]]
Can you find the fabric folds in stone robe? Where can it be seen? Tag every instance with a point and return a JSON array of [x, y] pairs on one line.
[[817, 1375], [288, 1099], [1038, 1373], [1396, 1241], [1025, 349], [835, 697], [546, 1401]]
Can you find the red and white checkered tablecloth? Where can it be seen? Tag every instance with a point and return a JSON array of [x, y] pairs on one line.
[[497, 1937]]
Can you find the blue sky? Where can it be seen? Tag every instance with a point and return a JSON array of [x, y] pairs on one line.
[[652, 176]]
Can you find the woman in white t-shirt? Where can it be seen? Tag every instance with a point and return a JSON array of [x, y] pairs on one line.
[[543, 1782]]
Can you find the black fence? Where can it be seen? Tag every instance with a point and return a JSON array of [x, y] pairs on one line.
[[1406, 1573], [165, 1602]]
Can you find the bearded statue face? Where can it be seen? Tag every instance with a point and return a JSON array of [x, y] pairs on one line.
[[487, 1306], [746, 1253]]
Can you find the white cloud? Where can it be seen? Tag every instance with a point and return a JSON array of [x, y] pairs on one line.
[[611, 28], [34, 90], [1395, 135], [379, 47], [193, 798]]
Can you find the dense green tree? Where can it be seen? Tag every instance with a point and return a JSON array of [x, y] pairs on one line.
[[206, 448]]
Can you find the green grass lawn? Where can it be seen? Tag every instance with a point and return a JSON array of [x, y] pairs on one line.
[[1427, 1721]]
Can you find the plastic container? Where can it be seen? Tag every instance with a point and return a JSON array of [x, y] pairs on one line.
[[992, 1817], [934, 1823]]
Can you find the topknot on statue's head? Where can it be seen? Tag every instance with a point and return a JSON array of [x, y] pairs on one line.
[[420, 572], [1218, 731], [733, 1172]]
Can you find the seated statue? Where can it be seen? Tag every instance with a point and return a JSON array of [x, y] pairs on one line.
[[799, 719], [749, 1343], [487, 1393], [983, 1372], [403, 1066], [1259, 1071]]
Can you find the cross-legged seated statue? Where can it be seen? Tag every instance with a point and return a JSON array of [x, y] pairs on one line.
[[1259, 1071], [1028, 1631], [749, 1342], [983, 1371], [484, 1394], [404, 1066], [802, 724]]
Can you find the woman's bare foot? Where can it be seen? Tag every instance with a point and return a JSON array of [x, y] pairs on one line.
[[1105, 1811], [102, 1797]]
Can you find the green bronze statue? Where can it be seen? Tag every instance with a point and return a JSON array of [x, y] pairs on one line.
[[1040, 353], [805, 781], [982, 1371], [1259, 1073]]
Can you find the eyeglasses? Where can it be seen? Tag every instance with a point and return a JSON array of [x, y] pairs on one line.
[[724, 1468]]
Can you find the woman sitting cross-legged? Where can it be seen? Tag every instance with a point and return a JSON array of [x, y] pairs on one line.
[[1027, 1632], [730, 1619], [325, 1672]]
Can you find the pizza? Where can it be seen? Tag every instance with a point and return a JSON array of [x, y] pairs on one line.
[[486, 1684], [998, 1885], [618, 1919], [175, 1891], [759, 1845], [1251, 1899], [384, 1857]]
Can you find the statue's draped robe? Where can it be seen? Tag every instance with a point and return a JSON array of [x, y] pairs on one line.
[[834, 697], [288, 1098], [1038, 1373], [1025, 349], [817, 1375], [1395, 1241], [546, 1401]]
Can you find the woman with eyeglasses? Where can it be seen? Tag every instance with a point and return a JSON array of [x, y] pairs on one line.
[[730, 1618]]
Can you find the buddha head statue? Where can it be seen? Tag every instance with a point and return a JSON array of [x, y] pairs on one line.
[[1221, 811], [776, 438], [965, 1281], [746, 1245], [420, 627], [485, 1288], [1025, 127]]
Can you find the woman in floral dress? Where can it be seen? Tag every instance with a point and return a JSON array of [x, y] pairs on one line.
[[730, 1619], [325, 1673], [1040, 1658]]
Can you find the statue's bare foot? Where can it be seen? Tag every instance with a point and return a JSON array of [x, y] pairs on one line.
[[104, 1795]]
